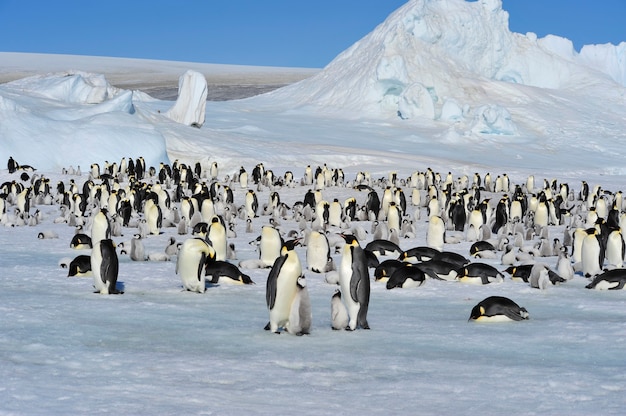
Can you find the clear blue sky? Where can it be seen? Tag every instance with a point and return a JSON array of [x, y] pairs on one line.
[[296, 33]]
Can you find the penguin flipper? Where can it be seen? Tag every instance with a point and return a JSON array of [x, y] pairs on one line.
[[270, 290], [201, 264], [359, 271]]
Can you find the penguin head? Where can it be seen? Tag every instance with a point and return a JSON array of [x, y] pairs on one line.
[[290, 244], [477, 312], [350, 239]]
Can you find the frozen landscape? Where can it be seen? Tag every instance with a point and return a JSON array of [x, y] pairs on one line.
[[441, 85]]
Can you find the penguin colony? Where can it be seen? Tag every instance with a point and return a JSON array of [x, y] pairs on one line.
[[397, 231]]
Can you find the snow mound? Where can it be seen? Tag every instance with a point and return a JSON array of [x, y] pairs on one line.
[[190, 107], [73, 118], [431, 58]]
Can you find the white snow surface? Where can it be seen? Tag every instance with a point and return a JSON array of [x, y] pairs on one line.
[[500, 102]]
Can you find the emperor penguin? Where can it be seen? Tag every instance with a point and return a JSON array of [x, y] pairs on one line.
[[79, 266], [154, 217], [217, 238], [270, 245], [436, 233], [100, 227], [497, 309], [338, 312], [193, 255], [318, 258], [251, 204], [592, 253], [282, 286], [394, 216], [354, 281], [334, 213], [610, 280], [300, 316], [615, 248], [105, 267]]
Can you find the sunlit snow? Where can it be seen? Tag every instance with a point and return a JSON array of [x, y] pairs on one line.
[[419, 92]]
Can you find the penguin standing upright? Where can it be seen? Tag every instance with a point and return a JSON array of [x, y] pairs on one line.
[[137, 250], [318, 257], [282, 286], [100, 227], [355, 282], [217, 238], [436, 233], [592, 253], [300, 316], [193, 255], [270, 245], [105, 267], [338, 312]]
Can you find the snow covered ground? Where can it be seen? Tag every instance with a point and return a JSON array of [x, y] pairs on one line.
[[156, 349]]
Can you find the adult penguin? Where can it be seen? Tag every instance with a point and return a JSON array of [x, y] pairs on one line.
[[79, 266], [270, 245], [498, 309], [282, 286], [318, 257], [192, 258], [100, 227], [225, 272], [407, 276], [251, 204], [355, 282], [592, 253], [154, 216], [105, 267], [436, 233], [217, 237], [610, 280]]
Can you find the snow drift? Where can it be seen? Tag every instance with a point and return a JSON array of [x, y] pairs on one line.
[[430, 53], [71, 118]]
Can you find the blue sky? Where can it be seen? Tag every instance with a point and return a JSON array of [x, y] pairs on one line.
[[254, 32]]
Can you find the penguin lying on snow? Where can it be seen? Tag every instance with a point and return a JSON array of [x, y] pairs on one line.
[[610, 280], [225, 272], [498, 309]]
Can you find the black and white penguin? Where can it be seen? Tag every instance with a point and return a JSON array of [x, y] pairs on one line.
[[439, 269], [282, 286], [318, 258], [251, 204], [100, 226], [105, 267], [407, 276], [79, 266], [385, 269], [338, 312], [592, 253], [217, 237], [225, 272], [614, 279], [498, 309], [355, 282], [81, 241], [270, 245], [479, 273], [383, 247], [192, 258], [436, 233]]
